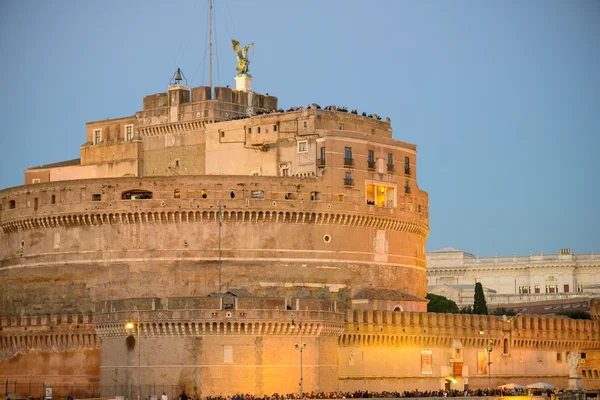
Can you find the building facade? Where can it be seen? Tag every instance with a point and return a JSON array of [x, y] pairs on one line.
[[513, 280], [232, 234]]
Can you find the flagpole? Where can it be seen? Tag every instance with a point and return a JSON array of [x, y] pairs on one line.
[[220, 218]]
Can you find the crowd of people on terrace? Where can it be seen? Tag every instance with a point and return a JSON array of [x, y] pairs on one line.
[[393, 394], [299, 108]]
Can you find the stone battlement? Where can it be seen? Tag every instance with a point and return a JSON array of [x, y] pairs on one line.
[[43, 321], [402, 328]]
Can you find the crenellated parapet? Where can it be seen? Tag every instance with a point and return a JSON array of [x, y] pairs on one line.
[[388, 328], [201, 316], [49, 332]]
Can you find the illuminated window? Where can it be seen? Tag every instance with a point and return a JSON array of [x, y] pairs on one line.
[[255, 171], [340, 197], [537, 288], [176, 194], [381, 194]]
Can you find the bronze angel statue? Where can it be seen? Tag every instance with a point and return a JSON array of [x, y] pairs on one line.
[[242, 56]]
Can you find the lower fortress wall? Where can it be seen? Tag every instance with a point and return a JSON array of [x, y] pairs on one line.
[[214, 351]]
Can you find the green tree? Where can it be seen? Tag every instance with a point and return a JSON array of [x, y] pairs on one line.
[[440, 304], [480, 305]]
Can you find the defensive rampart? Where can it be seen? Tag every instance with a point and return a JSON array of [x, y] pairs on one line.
[[74, 243], [60, 350]]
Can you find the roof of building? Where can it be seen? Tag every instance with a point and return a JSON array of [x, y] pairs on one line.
[[67, 163], [385, 294], [447, 250], [461, 287]]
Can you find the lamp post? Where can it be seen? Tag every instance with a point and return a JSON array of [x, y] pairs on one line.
[[129, 327], [489, 348], [299, 346]]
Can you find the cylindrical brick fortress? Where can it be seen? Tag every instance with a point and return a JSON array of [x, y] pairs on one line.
[[70, 244]]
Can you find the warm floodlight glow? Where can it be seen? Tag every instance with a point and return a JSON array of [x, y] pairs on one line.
[[129, 326], [481, 332]]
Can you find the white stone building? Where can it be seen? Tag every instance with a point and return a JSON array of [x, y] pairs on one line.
[[512, 280]]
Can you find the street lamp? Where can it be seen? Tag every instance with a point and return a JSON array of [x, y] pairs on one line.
[[488, 349], [129, 326], [299, 346]]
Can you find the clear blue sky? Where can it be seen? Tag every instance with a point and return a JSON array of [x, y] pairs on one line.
[[501, 97]]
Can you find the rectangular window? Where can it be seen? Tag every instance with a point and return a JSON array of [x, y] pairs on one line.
[[371, 159], [285, 169], [305, 124], [176, 194], [348, 160], [129, 133], [97, 136], [390, 162], [348, 181], [255, 171], [274, 128], [340, 197], [303, 146], [315, 196], [381, 194], [341, 127], [407, 188], [35, 180], [558, 357], [566, 288], [321, 161], [406, 165], [537, 288], [96, 197], [249, 131]]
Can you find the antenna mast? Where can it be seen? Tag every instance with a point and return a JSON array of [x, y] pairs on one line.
[[211, 12]]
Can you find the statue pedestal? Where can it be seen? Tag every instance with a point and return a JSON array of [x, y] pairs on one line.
[[575, 383], [243, 82]]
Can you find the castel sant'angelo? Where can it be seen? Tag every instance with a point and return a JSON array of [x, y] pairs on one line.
[[256, 250]]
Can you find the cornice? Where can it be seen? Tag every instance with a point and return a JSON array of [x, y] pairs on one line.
[[91, 218]]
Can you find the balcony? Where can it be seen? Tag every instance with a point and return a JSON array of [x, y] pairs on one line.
[[407, 171], [349, 162], [321, 162], [390, 167], [371, 164], [348, 182]]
